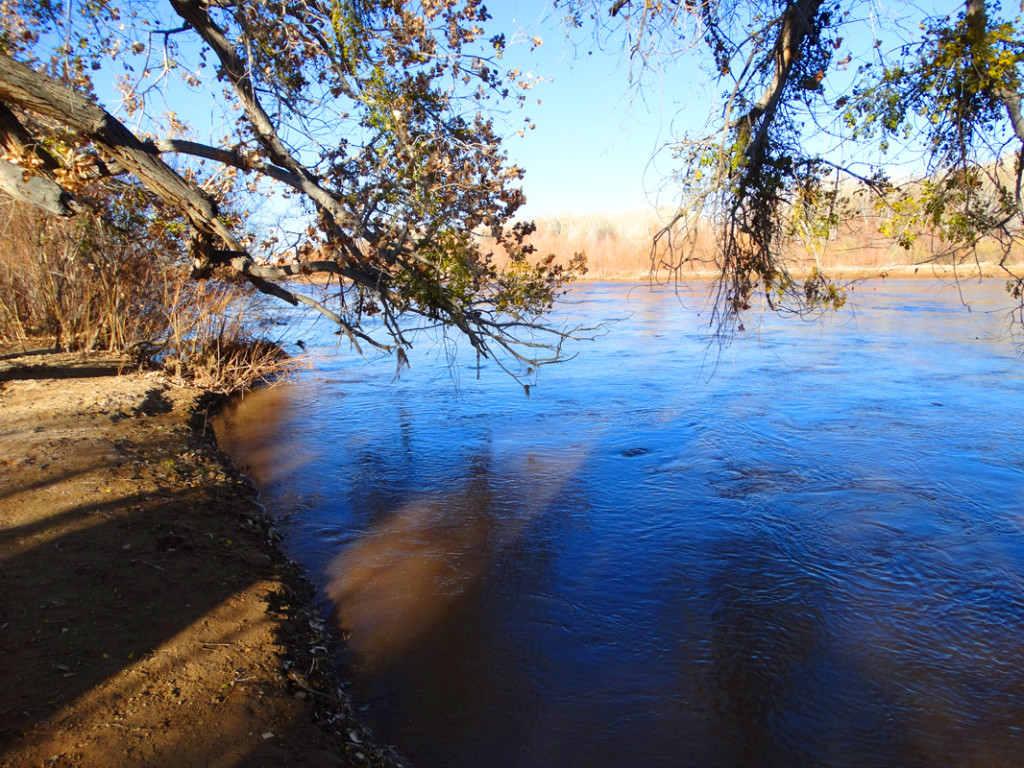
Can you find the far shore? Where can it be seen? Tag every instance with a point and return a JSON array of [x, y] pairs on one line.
[[925, 271]]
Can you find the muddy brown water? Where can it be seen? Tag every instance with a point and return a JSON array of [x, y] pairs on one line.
[[807, 550]]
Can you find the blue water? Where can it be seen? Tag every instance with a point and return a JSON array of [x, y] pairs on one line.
[[805, 549]]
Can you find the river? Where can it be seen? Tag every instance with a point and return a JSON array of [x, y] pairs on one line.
[[804, 549]]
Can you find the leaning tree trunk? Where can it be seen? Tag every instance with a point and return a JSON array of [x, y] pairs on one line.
[[212, 242], [25, 88]]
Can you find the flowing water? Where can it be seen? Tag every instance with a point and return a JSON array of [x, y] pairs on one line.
[[807, 550]]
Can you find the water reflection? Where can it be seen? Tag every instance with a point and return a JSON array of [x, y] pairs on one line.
[[765, 634], [254, 431], [814, 558], [407, 573]]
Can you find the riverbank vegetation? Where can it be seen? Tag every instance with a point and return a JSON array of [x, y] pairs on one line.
[[366, 126], [111, 281]]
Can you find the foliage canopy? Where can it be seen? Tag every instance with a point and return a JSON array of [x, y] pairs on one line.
[[370, 119], [373, 120]]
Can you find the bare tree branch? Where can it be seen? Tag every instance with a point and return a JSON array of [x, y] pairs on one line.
[[196, 14], [229, 157], [36, 190]]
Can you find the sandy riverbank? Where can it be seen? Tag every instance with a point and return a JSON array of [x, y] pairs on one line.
[[147, 616]]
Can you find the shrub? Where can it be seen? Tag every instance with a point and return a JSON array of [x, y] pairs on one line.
[[114, 279]]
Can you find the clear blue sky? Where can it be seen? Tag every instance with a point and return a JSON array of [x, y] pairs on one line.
[[594, 136]]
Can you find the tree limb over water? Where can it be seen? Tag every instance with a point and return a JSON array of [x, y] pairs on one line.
[[824, 110], [373, 116]]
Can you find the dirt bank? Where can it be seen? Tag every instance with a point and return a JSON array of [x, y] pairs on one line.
[[147, 616]]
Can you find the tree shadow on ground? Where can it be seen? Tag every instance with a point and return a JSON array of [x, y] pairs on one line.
[[144, 611]]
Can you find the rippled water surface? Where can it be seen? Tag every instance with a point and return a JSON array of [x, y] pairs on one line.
[[807, 551]]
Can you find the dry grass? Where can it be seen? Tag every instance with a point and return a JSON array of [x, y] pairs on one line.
[[211, 340], [76, 282], [85, 286], [617, 246]]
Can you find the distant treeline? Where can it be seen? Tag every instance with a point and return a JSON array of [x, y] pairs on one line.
[[621, 246]]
